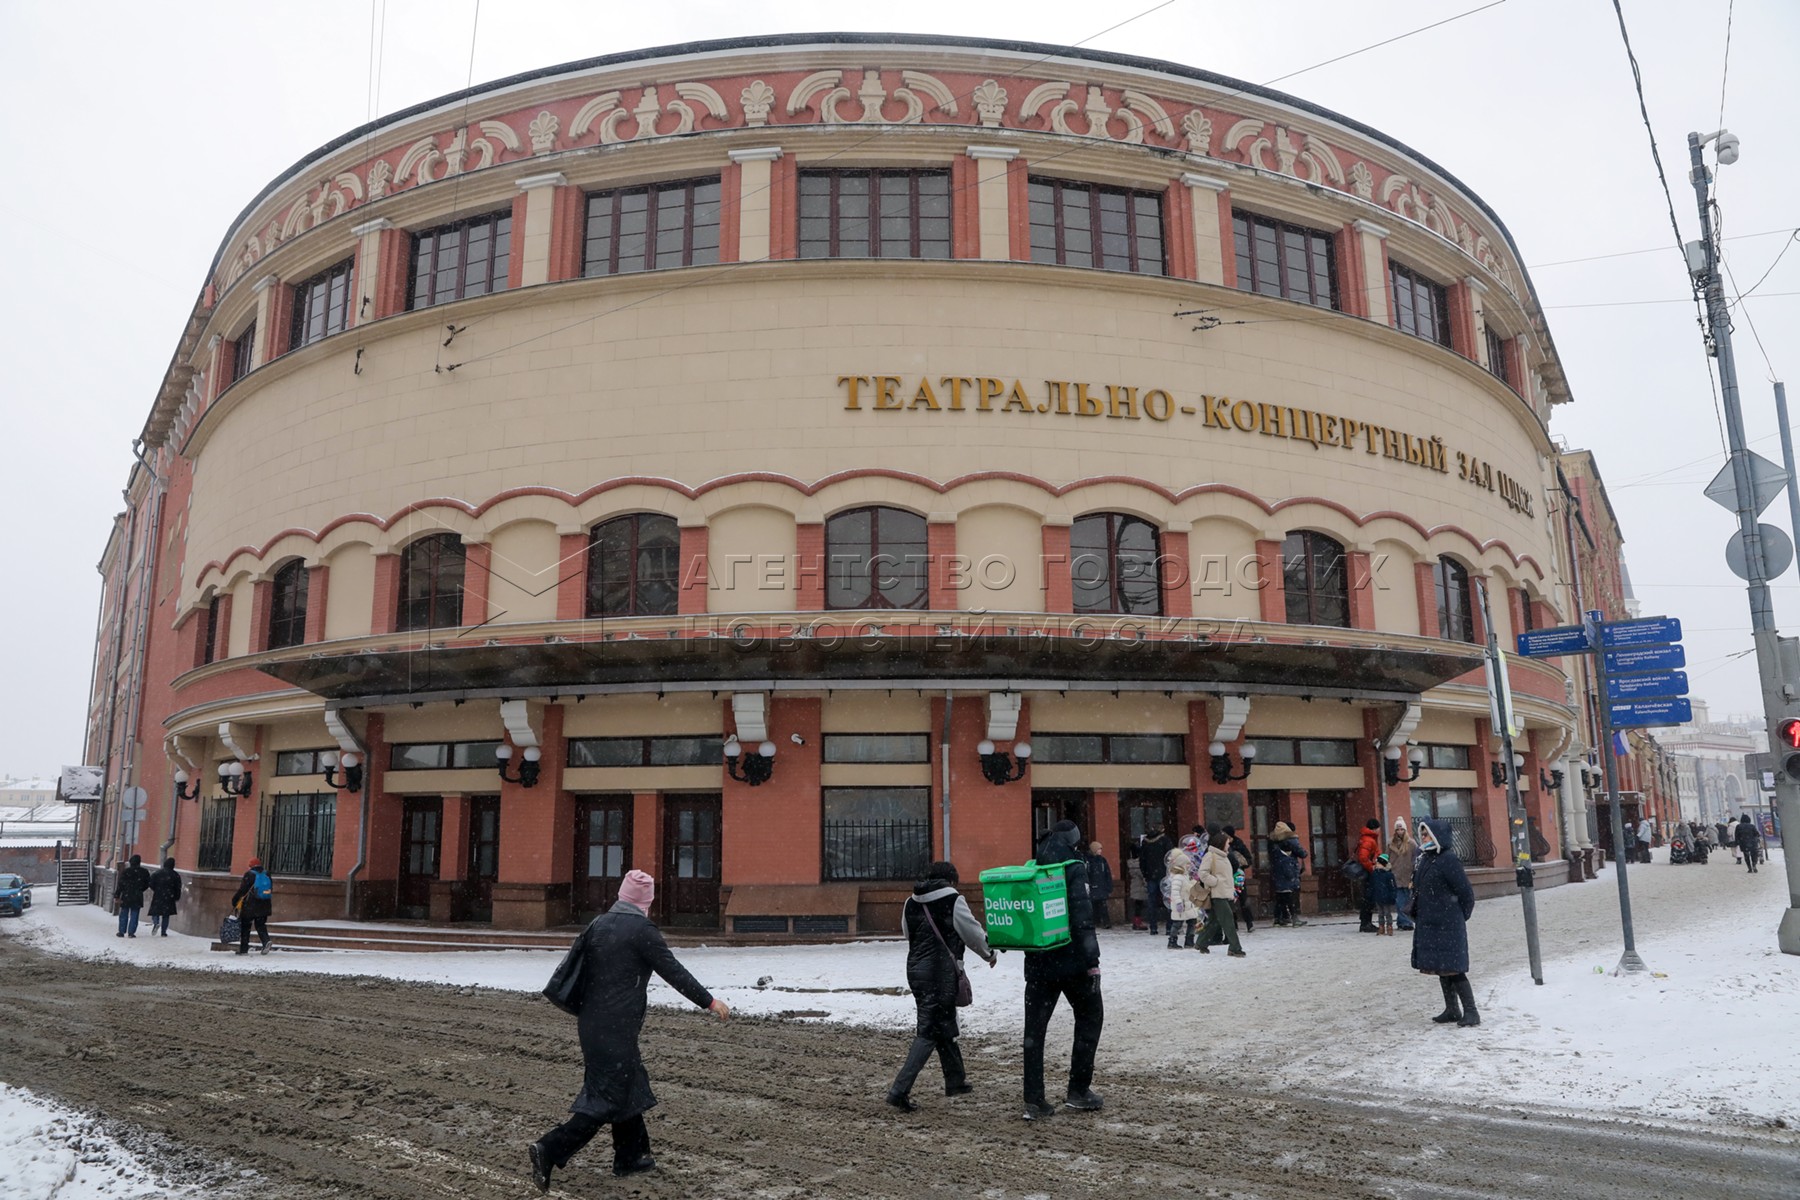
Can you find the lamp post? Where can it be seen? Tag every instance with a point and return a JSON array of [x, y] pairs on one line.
[[755, 769], [997, 767]]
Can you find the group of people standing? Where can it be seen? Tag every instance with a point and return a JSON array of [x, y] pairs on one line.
[[134, 883]]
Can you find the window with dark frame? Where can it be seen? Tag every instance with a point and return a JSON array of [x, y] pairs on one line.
[[874, 214], [1442, 757], [876, 558], [1455, 605], [287, 606], [321, 305], [634, 566], [656, 227], [1421, 307], [1114, 748], [431, 582], [218, 821], [663, 750], [461, 260], [1077, 224], [875, 832], [1497, 364], [1113, 560], [299, 834], [876, 747], [1288, 261], [1314, 580], [243, 352], [210, 650], [1527, 614], [443, 756], [1305, 752], [298, 762]]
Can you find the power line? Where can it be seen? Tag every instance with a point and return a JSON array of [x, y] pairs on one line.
[[1384, 42], [1745, 309], [1784, 249], [1563, 262], [1725, 70], [1633, 303]]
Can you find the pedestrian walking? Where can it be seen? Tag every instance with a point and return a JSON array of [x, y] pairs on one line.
[[1218, 878], [1070, 972], [1100, 885], [1749, 842], [1181, 873], [1368, 845], [1730, 838], [1287, 858], [165, 892], [128, 890], [1241, 858], [1384, 891], [603, 981], [938, 926], [1401, 851], [1646, 836], [1443, 902], [254, 900], [1724, 832], [1152, 860]]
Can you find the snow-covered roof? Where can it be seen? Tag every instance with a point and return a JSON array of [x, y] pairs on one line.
[[28, 785]]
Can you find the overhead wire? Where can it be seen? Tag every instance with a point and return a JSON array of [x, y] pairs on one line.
[[1563, 262]]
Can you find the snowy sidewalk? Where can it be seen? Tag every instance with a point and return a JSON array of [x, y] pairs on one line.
[[1713, 1034]]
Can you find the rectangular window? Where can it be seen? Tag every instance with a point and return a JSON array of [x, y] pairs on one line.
[[298, 762], [687, 750], [454, 262], [1496, 352], [1446, 758], [298, 837], [660, 226], [877, 748], [1454, 807], [218, 819], [321, 305], [243, 352], [1421, 307], [209, 649], [439, 756], [1086, 225], [874, 214], [876, 833], [1127, 748], [1289, 261], [1305, 752]]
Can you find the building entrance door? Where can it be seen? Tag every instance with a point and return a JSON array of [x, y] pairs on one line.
[[689, 895], [421, 841], [602, 852], [1050, 805], [484, 856], [1330, 847], [1265, 812]]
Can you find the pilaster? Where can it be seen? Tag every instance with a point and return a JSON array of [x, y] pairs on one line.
[[756, 202], [1209, 220], [1374, 281]]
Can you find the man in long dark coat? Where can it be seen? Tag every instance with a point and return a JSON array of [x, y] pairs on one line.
[[607, 975]]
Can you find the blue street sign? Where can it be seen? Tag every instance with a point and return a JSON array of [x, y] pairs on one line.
[[1650, 631], [1640, 713], [1548, 643], [1651, 683], [1645, 658]]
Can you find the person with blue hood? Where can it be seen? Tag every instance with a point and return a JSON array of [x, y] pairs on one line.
[[1443, 902], [1071, 972]]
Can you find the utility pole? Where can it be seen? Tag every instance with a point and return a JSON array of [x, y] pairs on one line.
[[1781, 699], [1518, 816]]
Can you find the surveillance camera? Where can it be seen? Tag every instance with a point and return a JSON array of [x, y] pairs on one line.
[[1727, 149], [796, 739]]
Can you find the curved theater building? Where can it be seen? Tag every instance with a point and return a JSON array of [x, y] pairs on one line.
[[842, 405]]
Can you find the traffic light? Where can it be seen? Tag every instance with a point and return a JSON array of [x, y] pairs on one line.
[[1787, 734]]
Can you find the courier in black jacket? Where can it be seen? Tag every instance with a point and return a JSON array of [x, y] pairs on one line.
[[1071, 971], [611, 964]]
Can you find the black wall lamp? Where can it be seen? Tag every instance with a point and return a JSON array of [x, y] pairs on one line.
[[753, 769], [349, 778], [1221, 762], [182, 791], [1497, 769], [234, 778], [1552, 780], [998, 767], [528, 764], [1390, 765]]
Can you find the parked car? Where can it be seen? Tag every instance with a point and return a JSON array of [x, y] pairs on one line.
[[15, 895]]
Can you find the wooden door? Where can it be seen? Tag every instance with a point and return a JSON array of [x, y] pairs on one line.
[[421, 844], [1050, 805], [1265, 812], [602, 852], [484, 856], [688, 892], [1330, 847]]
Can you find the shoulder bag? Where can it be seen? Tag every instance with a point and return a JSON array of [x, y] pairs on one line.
[[965, 995], [1354, 871]]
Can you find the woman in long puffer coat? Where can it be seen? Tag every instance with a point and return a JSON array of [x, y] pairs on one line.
[[1183, 864], [938, 926], [1443, 902]]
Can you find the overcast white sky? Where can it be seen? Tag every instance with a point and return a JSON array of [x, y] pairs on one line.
[[140, 130]]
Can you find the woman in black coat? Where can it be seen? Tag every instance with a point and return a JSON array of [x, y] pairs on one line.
[[1442, 903], [610, 965], [938, 925], [165, 891]]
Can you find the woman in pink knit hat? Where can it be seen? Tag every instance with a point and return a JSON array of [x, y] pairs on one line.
[[603, 981]]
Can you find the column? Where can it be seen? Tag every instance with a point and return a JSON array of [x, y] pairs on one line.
[[773, 833], [1215, 255], [940, 559], [1271, 595], [809, 566], [1374, 277], [274, 309], [571, 573], [992, 201], [1463, 336], [1475, 293], [218, 367], [1425, 584], [381, 270], [1359, 570], [537, 836], [478, 559], [695, 543], [538, 235], [453, 859], [262, 601], [385, 614], [647, 833], [755, 202], [990, 825], [318, 587], [1059, 587], [1175, 573]]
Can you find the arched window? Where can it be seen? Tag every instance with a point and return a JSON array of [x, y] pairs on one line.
[[1455, 603], [431, 582], [1112, 565], [634, 566], [1314, 578], [875, 558], [287, 606]]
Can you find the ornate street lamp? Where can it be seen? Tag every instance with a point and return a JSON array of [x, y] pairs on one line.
[[349, 779], [998, 767], [1221, 762], [1390, 765], [756, 768], [234, 778], [528, 764]]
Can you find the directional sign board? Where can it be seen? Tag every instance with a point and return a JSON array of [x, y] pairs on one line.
[[1651, 683], [1650, 631], [1645, 658], [1638, 714], [1549, 643]]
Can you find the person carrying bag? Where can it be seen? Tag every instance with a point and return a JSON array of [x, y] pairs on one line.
[[938, 926]]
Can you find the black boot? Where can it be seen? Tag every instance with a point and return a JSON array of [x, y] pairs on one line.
[[956, 1081], [917, 1055], [540, 1166], [1452, 1009], [1466, 992]]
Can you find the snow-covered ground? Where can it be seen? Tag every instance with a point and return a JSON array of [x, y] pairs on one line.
[[1713, 1033], [48, 1152]]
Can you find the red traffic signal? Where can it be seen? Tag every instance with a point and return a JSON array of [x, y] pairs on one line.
[[1789, 733]]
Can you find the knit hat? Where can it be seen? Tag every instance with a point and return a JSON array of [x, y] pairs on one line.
[[638, 889], [1382, 859], [256, 862]]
